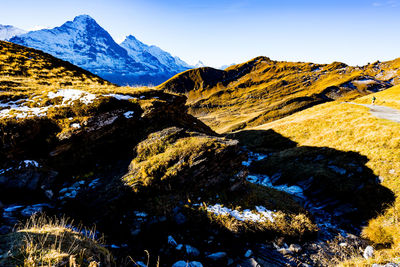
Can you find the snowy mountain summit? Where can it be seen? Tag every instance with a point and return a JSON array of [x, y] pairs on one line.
[[8, 31], [86, 44]]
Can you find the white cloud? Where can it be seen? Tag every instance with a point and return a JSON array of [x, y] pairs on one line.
[[38, 27], [390, 3]]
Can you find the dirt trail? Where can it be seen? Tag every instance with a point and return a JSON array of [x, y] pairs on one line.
[[382, 112]]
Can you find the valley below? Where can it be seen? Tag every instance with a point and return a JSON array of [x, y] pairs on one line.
[[265, 163]]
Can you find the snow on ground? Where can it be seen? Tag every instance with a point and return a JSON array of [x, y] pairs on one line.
[[20, 110], [70, 95], [76, 125], [265, 180], [28, 163], [129, 114], [121, 97], [260, 215]]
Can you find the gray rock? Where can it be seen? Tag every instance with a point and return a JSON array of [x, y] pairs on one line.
[[248, 253], [171, 241], [192, 251], [217, 256], [368, 252]]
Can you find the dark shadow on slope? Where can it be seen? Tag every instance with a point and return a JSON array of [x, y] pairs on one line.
[[338, 181]]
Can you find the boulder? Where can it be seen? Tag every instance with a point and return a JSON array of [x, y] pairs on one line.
[[174, 159]]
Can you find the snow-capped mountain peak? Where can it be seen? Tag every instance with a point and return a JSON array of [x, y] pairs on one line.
[[200, 64], [8, 31], [85, 43], [155, 55]]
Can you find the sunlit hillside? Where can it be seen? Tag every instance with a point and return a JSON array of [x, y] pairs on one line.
[[350, 127], [262, 90]]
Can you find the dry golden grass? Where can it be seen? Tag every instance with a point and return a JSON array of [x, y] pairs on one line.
[[45, 241], [349, 127], [261, 90]]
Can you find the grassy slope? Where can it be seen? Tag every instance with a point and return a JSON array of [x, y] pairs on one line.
[[25, 71], [262, 90], [349, 127]]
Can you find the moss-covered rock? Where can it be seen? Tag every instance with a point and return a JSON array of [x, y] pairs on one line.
[[175, 159]]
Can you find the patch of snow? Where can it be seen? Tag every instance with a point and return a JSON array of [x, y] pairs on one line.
[[2, 171], [70, 95], [253, 157], [217, 255], [94, 183], [129, 114], [76, 125], [266, 181], [140, 214], [121, 97], [367, 81], [262, 214], [368, 252], [33, 163]]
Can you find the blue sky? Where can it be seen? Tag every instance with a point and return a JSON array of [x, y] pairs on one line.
[[233, 31]]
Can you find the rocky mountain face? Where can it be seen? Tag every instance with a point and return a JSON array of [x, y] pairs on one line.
[[8, 31], [262, 90], [86, 44]]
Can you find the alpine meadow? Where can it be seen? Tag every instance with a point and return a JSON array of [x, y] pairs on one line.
[[115, 152]]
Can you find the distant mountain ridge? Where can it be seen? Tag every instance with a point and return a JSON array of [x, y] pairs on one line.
[[8, 31], [85, 43], [262, 90]]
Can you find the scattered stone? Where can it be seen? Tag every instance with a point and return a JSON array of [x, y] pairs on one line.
[[368, 252], [187, 264], [343, 244], [392, 171], [217, 256], [248, 253], [295, 248], [172, 241], [192, 251], [30, 210], [179, 247], [49, 194]]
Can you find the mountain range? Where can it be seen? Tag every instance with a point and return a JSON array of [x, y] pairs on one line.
[[8, 31], [84, 43]]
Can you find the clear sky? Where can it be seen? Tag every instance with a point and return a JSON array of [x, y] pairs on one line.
[[220, 32]]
